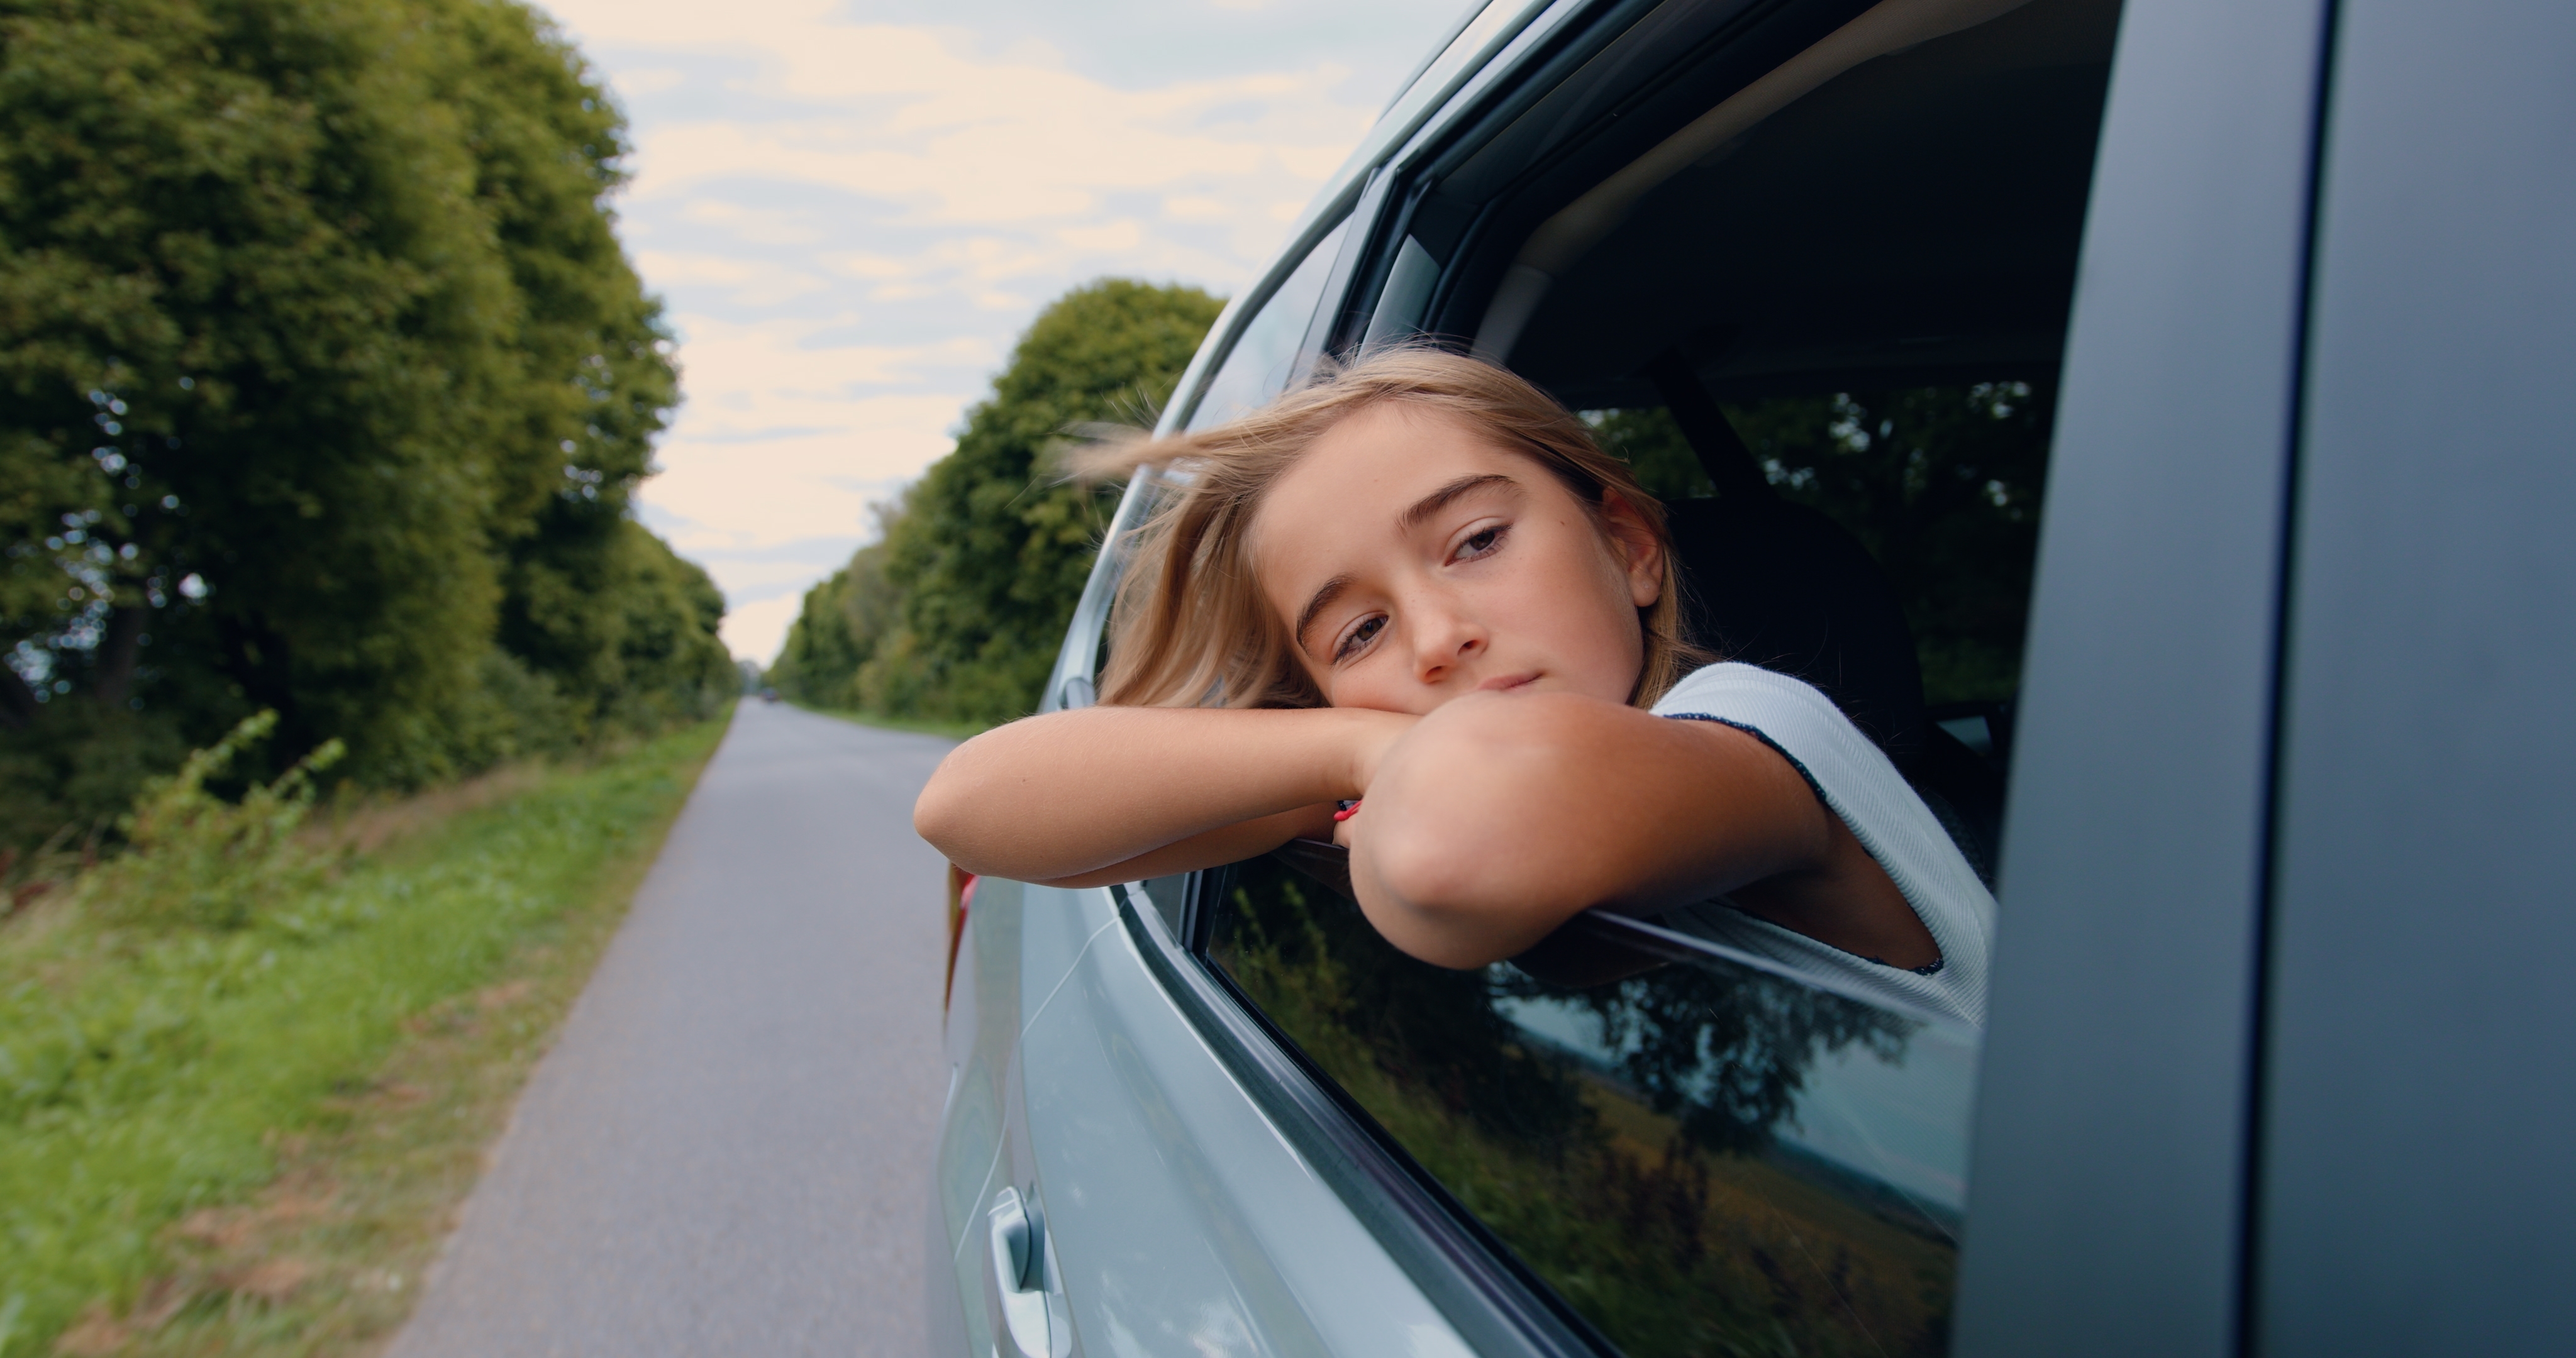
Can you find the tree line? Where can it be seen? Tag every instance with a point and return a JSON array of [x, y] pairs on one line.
[[325, 386]]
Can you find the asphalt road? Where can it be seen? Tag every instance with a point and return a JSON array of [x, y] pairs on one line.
[[728, 1150]]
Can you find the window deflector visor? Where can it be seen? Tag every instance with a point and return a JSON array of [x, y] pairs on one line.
[[1265, 354], [1565, 238]]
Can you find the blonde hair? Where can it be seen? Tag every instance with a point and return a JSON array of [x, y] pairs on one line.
[[1191, 626]]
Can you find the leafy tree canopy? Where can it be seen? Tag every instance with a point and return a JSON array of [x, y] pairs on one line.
[[844, 620], [958, 613], [319, 362]]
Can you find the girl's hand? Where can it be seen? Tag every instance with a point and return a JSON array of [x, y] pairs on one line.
[[1500, 816], [1371, 746], [1373, 737]]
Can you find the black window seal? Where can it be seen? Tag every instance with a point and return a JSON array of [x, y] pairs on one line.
[[1754, 38], [1475, 113]]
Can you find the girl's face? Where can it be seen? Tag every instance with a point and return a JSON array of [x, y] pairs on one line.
[[1413, 561]]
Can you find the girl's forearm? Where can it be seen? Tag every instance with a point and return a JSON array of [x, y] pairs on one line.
[[1061, 797], [1500, 817], [1213, 848]]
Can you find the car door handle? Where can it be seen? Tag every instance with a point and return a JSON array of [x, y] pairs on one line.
[[1021, 1286]]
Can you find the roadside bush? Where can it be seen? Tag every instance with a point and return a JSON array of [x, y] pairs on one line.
[[845, 619], [194, 858]]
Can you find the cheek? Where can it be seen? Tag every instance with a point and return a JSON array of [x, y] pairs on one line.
[[1371, 684], [1596, 618], [1587, 589], [1381, 682], [1612, 632]]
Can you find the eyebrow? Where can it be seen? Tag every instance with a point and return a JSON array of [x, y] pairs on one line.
[[1412, 518], [1442, 498], [1323, 599]]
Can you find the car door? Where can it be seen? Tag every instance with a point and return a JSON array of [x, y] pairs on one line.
[[2192, 1131], [1701, 1149], [2411, 1178]]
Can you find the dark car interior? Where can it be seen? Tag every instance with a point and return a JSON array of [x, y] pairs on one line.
[[1905, 235]]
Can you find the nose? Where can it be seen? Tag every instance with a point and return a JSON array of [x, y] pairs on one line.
[[1444, 639]]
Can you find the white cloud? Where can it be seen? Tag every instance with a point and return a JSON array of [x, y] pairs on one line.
[[745, 282], [775, 227], [650, 79], [853, 217]]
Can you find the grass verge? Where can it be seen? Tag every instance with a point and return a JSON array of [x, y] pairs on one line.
[[953, 730], [252, 1140]]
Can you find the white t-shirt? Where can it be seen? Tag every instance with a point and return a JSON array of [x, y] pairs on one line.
[[1856, 782]]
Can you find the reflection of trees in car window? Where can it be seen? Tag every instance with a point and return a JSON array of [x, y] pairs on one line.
[[1635, 1167], [1941, 484], [1724, 1053]]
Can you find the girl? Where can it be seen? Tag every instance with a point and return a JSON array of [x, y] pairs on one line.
[[1414, 609]]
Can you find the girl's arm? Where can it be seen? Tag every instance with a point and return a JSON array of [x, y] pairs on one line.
[[1113, 794], [1500, 816]]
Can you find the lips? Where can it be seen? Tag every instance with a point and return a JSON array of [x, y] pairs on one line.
[[1505, 683]]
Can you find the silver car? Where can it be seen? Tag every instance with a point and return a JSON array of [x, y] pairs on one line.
[[2147, 422]]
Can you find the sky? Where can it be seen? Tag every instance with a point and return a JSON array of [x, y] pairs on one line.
[[852, 210]]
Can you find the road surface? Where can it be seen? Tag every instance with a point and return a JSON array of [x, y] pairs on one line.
[[728, 1150]]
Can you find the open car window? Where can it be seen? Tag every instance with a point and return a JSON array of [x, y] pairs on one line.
[[1828, 341], [1888, 563]]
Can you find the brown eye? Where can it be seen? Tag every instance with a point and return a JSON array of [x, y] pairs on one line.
[[1358, 638], [1481, 543]]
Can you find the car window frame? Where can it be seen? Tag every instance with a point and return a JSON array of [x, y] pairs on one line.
[[1477, 1281]]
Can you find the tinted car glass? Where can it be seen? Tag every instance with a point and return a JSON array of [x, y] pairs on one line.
[[1265, 355], [1699, 1155]]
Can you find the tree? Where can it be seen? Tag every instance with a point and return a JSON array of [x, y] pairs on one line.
[[989, 552], [844, 620], [1942, 485], [613, 623], [317, 351]]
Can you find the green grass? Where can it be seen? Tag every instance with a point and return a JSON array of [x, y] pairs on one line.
[[250, 1139], [953, 730]]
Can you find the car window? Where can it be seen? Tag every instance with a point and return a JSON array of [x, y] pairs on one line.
[[1698, 1154], [1829, 345], [1265, 354], [1939, 486]]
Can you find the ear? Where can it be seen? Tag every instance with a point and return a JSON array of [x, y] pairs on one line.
[[1636, 547]]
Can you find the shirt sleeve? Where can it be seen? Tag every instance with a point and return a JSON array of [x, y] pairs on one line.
[[1856, 781]]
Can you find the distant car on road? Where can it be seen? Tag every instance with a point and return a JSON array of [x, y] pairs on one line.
[[2148, 423], [768, 695]]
